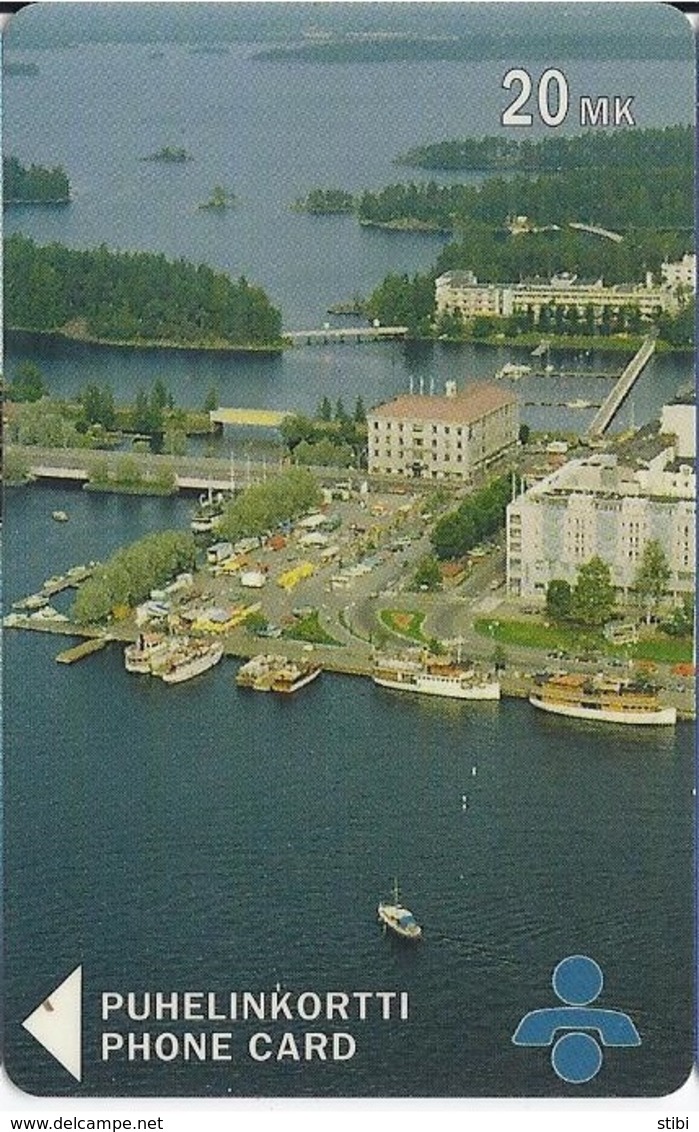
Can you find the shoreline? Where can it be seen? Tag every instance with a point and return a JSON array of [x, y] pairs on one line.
[[151, 344], [339, 660], [523, 342]]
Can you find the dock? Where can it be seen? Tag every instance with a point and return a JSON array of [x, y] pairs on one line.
[[85, 648], [603, 418]]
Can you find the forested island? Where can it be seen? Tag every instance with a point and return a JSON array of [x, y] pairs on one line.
[[656, 147], [538, 41], [21, 68], [325, 202], [619, 197], [133, 298], [220, 200], [173, 155], [34, 184], [596, 206]]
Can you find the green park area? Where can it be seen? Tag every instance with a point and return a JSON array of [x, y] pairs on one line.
[[582, 641], [404, 623]]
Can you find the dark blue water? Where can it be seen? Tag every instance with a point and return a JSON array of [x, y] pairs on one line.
[[198, 837]]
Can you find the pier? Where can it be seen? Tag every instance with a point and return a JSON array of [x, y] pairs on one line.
[[623, 387], [85, 648]]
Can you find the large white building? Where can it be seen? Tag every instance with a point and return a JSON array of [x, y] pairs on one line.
[[682, 274], [459, 292], [599, 507], [442, 437]]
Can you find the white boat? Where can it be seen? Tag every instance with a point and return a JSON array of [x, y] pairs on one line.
[[398, 919], [513, 372], [34, 601], [147, 650], [602, 701], [47, 613], [59, 516], [258, 669], [434, 677], [190, 659], [294, 675]]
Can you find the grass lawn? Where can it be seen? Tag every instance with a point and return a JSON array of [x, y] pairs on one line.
[[310, 629], [404, 623], [535, 635], [665, 650], [532, 634]]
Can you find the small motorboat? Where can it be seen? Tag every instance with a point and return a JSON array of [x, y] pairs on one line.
[[59, 516], [397, 918]]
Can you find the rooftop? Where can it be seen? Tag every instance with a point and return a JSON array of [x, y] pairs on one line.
[[470, 404]]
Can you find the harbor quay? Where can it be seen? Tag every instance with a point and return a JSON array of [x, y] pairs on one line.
[[351, 658]]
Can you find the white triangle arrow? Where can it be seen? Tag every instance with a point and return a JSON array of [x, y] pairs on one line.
[[57, 1023]]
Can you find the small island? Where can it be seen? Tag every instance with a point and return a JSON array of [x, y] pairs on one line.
[[21, 68], [325, 202], [34, 184], [170, 154], [220, 200]]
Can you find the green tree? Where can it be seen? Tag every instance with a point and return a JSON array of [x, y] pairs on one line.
[[593, 594], [29, 384], [211, 401], [652, 577], [325, 410], [559, 600], [681, 622], [428, 575], [159, 394], [359, 416]]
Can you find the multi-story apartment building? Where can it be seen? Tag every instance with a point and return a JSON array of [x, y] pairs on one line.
[[682, 274], [442, 437], [597, 506], [459, 292]]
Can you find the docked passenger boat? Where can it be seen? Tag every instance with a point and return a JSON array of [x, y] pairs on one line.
[[148, 649], [434, 676], [398, 919], [259, 669], [189, 659], [294, 675], [601, 700]]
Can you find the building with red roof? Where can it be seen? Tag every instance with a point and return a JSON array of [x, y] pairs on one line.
[[442, 437]]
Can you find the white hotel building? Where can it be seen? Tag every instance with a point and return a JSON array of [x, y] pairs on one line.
[[597, 506], [459, 292]]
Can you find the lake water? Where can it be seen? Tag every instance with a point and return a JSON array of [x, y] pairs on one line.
[[198, 837]]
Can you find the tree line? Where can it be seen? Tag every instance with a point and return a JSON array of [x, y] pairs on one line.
[[656, 147], [591, 599], [34, 184], [131, 573], [332, 438], [265, 506], [614, 197], [138, 297], [477, 518]]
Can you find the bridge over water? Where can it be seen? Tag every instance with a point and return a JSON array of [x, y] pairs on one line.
[[623, 387], [329, 335]]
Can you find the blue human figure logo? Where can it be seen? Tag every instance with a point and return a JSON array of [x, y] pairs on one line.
[[576, 1057]]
